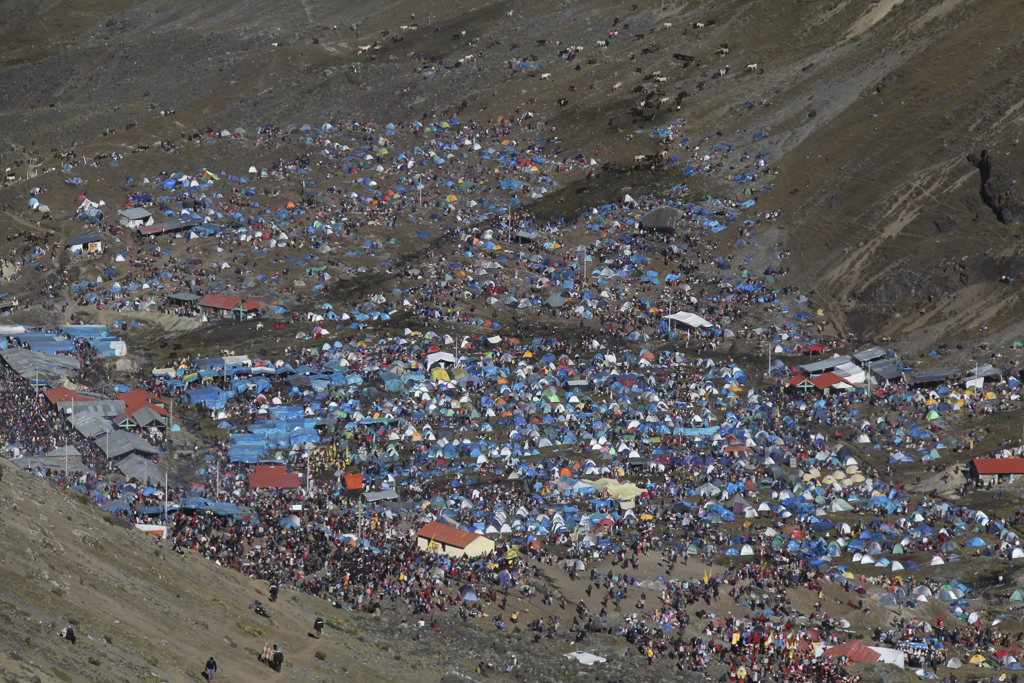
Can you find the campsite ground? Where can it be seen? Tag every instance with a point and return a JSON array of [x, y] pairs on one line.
[[149, 614], [876, 108], [869, 114]]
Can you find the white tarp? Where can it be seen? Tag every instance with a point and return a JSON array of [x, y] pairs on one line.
[[586, 658], [691, 319]]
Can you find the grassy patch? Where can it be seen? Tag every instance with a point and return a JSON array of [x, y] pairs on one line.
[[249, 629], [62, 675], [321, 655], [335, 624]]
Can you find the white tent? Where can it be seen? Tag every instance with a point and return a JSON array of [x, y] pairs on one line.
[[890, 656]]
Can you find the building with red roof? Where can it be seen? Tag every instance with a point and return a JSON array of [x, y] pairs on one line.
[[227, 306], [996, 469], [441, 538]]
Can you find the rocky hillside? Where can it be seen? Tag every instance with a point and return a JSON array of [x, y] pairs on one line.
[[892, 126]]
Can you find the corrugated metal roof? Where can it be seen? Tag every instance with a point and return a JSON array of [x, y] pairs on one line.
[[170, 226], [85, 239], [116, 444], [137, 467], [28, 363], [886, 370], [825, 365], [933, 376], [867, 355]]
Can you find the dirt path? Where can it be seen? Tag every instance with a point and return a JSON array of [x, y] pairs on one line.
[[18, 219]]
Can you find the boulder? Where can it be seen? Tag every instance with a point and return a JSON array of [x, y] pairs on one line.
[[662, 219]]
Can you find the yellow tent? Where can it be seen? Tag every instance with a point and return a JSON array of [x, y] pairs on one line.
[[623, 491], [440, 374]]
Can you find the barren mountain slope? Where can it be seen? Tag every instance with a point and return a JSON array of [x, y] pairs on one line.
[[870, 112]]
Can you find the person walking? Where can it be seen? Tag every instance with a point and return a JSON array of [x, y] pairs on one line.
[[211, 668], [276, 659], [318, 626]]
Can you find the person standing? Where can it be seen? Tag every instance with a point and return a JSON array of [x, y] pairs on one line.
[[211, 668], [276, 659], [318, 626]]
